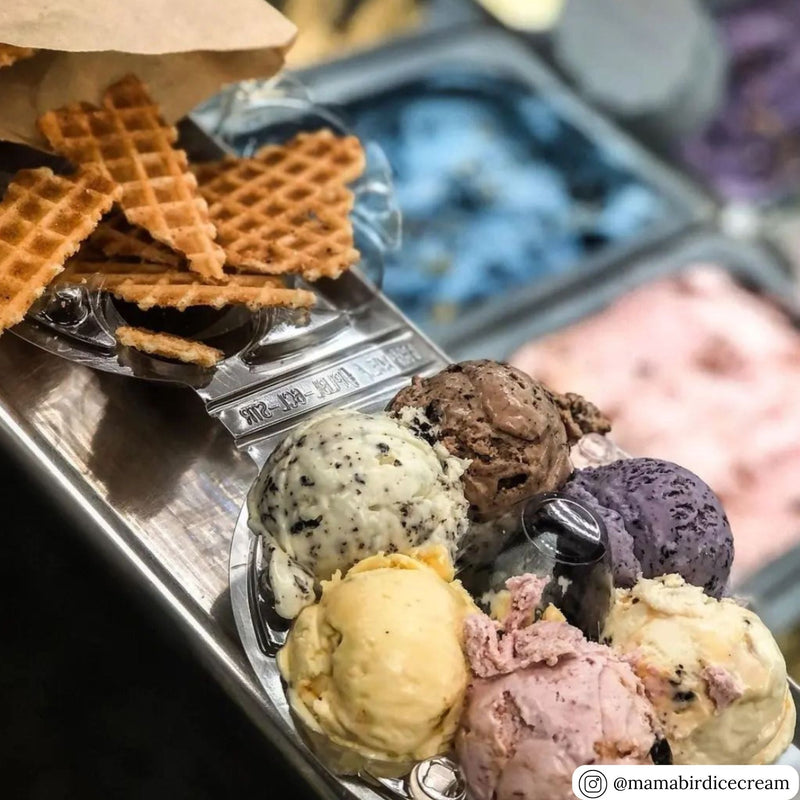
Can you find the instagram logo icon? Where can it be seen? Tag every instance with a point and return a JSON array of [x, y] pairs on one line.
[[592, 784]]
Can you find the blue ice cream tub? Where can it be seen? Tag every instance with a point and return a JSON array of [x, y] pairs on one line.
[[510, 187]]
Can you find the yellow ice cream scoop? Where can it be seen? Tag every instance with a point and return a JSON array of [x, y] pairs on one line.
[[377, 665], [711, 669]]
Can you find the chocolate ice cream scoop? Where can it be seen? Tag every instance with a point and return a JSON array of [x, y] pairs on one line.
[[516, 433], [660, 518]]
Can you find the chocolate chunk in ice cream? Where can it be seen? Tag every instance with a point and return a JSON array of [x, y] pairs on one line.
[[580, 417]]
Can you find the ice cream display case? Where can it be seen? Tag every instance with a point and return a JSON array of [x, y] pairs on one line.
[[541, 193], [306, 498]]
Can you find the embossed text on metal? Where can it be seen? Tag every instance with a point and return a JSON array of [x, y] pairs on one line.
[[318, 388]]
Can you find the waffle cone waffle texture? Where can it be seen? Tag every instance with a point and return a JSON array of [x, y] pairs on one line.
[[128, 138], [167, 345], [43, 220], [286, 210], [150, 285]]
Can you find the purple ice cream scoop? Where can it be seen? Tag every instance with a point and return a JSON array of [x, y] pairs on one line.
[[660, 519]]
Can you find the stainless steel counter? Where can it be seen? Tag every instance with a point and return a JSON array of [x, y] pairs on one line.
[[157, 485]]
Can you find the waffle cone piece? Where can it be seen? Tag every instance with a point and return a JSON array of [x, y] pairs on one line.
[[130, 140], [169, 346], [43, 220], [10, 54], [150, 285], [287, 209], [115, 237], [338, 159]]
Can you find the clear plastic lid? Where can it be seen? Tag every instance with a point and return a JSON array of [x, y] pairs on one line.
[[564, 541]]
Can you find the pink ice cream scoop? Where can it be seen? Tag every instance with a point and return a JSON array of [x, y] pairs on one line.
[[545, 701]]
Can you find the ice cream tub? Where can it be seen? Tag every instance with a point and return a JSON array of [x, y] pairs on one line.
[[755, 266], [746, 152], [509, 185]]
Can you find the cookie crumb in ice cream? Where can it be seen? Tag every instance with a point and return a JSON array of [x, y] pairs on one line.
[[580, 417]]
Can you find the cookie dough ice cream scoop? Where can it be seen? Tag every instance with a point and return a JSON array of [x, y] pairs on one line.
[[377, 666], [711, 669], [346, 485], [660, 518]]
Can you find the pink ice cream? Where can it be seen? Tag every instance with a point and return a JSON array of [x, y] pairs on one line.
[[544, 701], [722, 686], [710, 381]]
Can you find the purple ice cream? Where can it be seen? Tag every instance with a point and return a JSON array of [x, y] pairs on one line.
[[750, 151], [660, 519]]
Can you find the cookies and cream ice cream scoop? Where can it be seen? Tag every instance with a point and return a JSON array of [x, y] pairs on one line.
[[343, 486]]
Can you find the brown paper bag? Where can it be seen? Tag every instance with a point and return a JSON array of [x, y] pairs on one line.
[[185, 50]]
